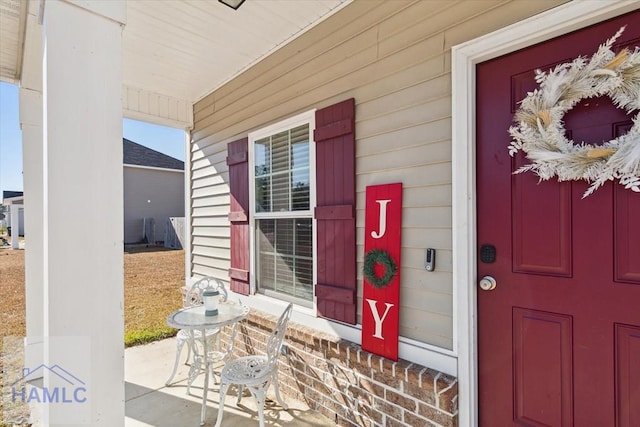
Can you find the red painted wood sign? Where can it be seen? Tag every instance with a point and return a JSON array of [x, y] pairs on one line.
[[381, 292]]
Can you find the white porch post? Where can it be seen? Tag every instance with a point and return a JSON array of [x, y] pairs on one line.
[[15, 225], [32, 166], [83, 202]]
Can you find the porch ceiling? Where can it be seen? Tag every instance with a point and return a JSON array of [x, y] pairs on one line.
[[13, 14], [184, 49]]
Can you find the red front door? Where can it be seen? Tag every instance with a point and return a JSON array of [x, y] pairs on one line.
[[559, 336]]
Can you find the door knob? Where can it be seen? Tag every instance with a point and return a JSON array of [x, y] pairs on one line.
[[488, 283]]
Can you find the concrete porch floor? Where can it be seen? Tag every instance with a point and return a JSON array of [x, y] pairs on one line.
[[148, 402]]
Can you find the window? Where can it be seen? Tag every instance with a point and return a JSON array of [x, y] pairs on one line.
[[270, 231], [281, 201]]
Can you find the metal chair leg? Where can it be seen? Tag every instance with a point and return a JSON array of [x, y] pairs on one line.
[[179, 346], [223, 392], [277, 390], [240, 392], [194, 371], [261, 409], [189, 344]]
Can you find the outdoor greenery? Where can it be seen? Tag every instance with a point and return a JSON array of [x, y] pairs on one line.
[[153, 279], [132, 338]]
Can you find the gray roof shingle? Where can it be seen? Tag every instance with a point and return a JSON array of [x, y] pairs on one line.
[[6, 194], [139, 155]]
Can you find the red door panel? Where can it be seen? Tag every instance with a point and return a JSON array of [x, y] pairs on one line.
[[548, 377], [532, 205], [559, 337], [626, 226], [627, 375]]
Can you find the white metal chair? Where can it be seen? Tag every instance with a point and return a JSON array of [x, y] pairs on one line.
[[256, 372], [193, 297]]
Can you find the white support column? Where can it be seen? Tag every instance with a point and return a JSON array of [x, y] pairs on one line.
[[186, 238], [83, 205], [32, 166], [15, 225]]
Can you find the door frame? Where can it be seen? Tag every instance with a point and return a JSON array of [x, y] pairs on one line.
[[560, 20]]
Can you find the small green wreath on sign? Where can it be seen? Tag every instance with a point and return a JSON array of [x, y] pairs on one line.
[[379, 256]]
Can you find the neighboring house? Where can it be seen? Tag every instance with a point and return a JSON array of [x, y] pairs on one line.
[[153, 190], [16, 199], [530, 316]]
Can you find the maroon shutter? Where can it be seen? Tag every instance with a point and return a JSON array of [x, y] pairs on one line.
[[238, 161], [335, 211]]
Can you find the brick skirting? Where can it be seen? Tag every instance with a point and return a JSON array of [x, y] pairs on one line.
[[349, 385]]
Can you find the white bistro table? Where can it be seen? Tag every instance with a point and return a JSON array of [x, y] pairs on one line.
[[194, 318]]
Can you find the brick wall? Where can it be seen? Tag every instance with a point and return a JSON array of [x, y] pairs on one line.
[[351, 386]]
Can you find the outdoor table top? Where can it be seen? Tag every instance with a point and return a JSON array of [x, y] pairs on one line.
[[194, 317]]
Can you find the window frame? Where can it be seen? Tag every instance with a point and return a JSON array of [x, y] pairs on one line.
[[307, 117]]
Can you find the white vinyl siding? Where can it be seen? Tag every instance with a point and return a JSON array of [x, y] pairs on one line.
[[210, 199], [393, 57]]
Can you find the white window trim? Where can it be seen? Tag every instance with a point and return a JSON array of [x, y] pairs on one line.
[[464, 57], [308, 117]]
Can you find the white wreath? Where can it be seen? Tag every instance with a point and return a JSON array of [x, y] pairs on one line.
[[540, 130]]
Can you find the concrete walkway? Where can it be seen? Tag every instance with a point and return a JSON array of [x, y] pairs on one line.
[[150, 403]]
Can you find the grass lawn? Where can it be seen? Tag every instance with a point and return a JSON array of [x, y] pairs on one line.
[[152, 281]]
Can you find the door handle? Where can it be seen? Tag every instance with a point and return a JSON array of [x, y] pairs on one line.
[[488, 283]]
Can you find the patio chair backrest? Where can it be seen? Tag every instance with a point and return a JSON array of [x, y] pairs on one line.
[[274, 344], [193, 296]]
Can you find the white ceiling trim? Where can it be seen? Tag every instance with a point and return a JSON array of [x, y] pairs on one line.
[[13, 16], [144, 105]]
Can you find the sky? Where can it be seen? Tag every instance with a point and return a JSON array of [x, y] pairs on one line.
[[166, 140]]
